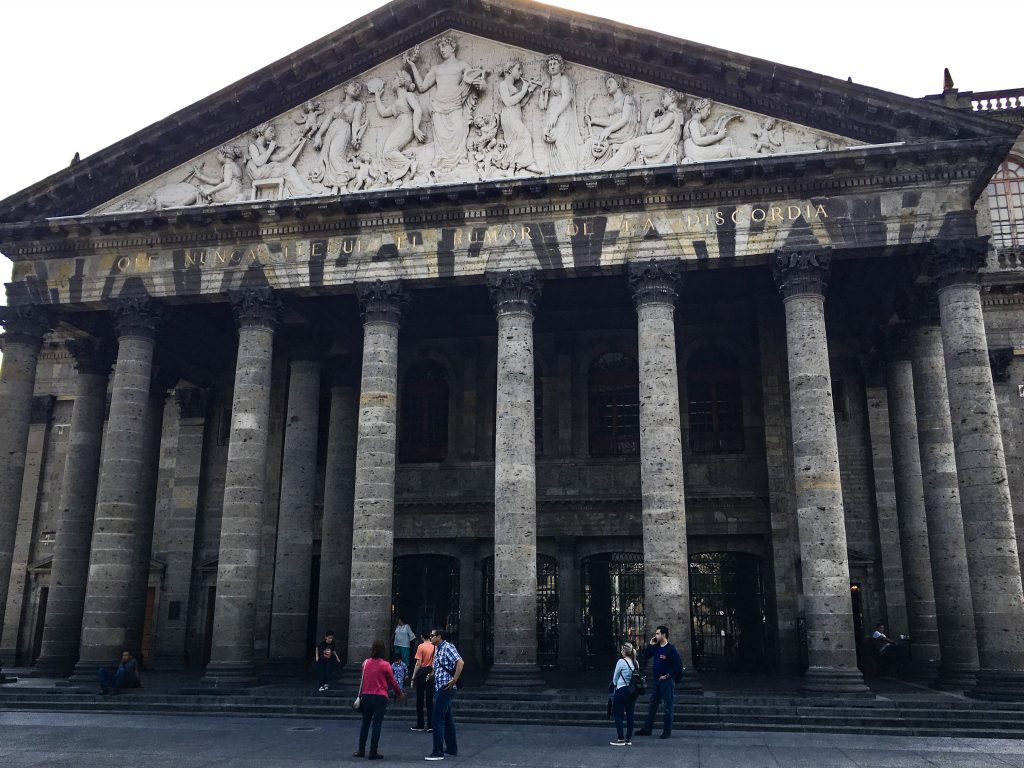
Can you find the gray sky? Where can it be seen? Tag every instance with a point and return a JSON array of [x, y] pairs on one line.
[[80, 75]]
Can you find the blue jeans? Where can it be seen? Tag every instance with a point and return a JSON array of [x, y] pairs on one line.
[[372, 708], [108, 681], [444, 722], [663, 689], [623, 707]]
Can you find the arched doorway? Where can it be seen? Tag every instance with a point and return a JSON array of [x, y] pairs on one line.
[[612, 600], [547, 611], [730, 630], [425, 592]]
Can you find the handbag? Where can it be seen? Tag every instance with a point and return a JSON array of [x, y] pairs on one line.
[[358, 700], [637, 683]]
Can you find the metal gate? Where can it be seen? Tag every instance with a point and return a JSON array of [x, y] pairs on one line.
[[425, 592], [547, 611], [613, 605], [730, 631]]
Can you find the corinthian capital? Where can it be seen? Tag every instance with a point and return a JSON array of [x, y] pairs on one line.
[[513, 291], [802, 271], [956, 260], [255, 308], [655, 282], [136, 316], [382, 301], [91, 357], [25, 324]]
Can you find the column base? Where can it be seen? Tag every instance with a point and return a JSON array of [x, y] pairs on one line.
[[85, 670], [997, 685], [510, 676], [230, 674], [690, 685], [55, 666], [955, 679], [840, 683]]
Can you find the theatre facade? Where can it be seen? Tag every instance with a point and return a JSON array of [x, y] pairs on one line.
[[530, 326]]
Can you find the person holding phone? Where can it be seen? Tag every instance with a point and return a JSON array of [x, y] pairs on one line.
[[668, 668]]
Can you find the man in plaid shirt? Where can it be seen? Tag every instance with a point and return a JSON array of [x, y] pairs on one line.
[[447, 671]]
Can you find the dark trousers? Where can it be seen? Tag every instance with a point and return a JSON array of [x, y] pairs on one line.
[[110, 681], [325, 668], [372, 708], [623, 708], [444, 722], [663, 689], [424, 695]]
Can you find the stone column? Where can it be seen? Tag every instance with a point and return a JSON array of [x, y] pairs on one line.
[[514, 295], [70, 565], [666, 558], [981, 470], [801, 277], [339, 489], [179, 529], [910, 511], [290, 614], [373, 526], [24, 328], [954, 614], [231, 658], [121, 518]]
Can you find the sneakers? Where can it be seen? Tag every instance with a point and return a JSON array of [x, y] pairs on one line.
[[434, 756], [359, 753], [618, 743], [430, 730], [418, 730], [323, 688]]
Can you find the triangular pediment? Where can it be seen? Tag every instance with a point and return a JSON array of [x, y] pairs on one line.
[[811, 113], [459, 108]]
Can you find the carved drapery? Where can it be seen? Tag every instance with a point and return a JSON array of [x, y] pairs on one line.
[[802, 271]]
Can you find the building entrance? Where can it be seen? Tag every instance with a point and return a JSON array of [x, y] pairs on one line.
[[547, 611], [425, 592], [613, 605]]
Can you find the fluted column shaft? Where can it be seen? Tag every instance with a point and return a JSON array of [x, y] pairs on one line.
[[989, 531], [514, 295], [828, 610], [373, 526], [290, 616], [122, 518], [666, 558], [231, 658], [911, 516], [70, 566]]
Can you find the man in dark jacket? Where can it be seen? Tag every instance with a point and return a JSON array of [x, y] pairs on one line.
[[668, 668], [126, 675]]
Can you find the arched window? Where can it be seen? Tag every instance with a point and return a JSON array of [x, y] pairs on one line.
[[614, 403], [1006, 205], [715, 402], [424, 417]]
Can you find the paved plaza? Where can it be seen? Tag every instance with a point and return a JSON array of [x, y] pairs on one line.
[[156, 741]]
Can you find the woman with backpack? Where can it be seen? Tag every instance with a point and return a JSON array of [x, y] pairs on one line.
[[624, 694]]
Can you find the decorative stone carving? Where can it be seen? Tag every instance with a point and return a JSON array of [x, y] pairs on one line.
[[255, 307], [136, 316], [25, 324], [802, 271], [382, 301], [654, 281], [956, 260], [513, 291], [538, 115], [1000, 360]]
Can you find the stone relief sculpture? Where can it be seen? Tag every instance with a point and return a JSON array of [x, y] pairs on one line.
[[701, 144], [400, 166], [616, 123], [561, 129], [455, 85], [446, 121], [338, 135]]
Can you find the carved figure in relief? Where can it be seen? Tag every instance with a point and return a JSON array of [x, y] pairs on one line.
[[228, 187], [457, 85], [561, 129], [310, 118], [701, 144], [660, 144], [764, 137], [616, 123], [269, 161], [483, 144], [400, 165], [514, 91], [366, 172], [340, 132]]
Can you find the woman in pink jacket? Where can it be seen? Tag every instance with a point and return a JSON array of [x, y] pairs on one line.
[[373, 698]]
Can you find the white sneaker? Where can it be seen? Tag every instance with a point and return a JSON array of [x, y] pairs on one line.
[[323, 688], [618, 743]]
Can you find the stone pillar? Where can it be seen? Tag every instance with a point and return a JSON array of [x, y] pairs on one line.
[[122, 518], [373, 526], [514, 295], [801, 277], [910, 510], [666, 558], [24, 328], [70, 565], [290, 616], [231, 658], [981, 470], [179, 530], [339, 488], [954, 614]]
